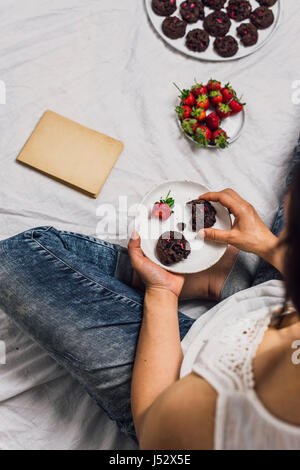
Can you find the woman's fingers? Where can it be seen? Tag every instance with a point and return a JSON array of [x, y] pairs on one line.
[[227, 198], [134, 247], [138, 260], [216, 235]]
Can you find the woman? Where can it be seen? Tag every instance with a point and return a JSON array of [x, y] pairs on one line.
[[233, 382]]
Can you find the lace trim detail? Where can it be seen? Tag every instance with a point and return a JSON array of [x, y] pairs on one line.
[[259, 338], [228, 355]]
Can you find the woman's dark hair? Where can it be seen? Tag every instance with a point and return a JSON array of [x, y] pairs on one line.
[[292, 242]]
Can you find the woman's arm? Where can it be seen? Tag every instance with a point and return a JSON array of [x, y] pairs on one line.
[[159, 355], [248, 232], [182, 417], [168, 413]]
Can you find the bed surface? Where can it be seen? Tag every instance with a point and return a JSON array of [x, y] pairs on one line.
[[100, 63]]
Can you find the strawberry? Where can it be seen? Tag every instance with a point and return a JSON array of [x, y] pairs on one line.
[[223, 110], [202, 136], [213, 85], [203, 102], [189, 126], [220, 138], [215, 97], [228, 93], [213, 121], [163, 209], [199, 89], [194, 128], [199, 114], [236, 105], [188, 98], [183, 111]]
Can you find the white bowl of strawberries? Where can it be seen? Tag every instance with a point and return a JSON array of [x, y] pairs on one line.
[[210, 115]]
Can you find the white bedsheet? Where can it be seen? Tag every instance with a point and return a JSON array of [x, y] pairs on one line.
[[100, 63]]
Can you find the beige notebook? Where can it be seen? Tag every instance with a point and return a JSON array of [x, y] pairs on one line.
[[71, 153]]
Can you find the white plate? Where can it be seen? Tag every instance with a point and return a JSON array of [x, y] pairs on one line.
[[209, 54], [232, 125], [203, 254]]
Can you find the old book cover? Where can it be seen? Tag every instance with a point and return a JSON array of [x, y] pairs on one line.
[[71, 153]]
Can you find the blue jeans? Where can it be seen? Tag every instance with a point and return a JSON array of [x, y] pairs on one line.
[[70, 293]]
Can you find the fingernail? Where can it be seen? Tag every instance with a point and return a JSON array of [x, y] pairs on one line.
[[135, 235]]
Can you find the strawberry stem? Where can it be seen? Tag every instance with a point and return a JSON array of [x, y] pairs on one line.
[[177, 87], [168, 200]]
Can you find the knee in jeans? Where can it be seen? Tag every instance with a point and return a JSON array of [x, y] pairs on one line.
[[78, 352]]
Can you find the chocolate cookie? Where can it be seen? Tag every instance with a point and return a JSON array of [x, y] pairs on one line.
[[226, 46], [173, 27], [266, 3], [203, 213], [248, 34], [164, 7], [214, 4], [217, 23], [262, 17], [191, 11], [197, 40], [239, 10], [172, 247]]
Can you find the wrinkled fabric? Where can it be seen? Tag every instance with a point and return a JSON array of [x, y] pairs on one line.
[[100, 63]]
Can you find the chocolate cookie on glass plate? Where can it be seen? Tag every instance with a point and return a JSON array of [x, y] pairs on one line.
[[217, 23], [226, 46], [192, 10], [173, 27], [248, 34], [214, 4], [262, 17], [172, 247], [197, 40], [164, 7], [239, 10], [266, 3]]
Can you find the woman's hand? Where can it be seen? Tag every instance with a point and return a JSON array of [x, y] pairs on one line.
[[152, 275], [248, 233]]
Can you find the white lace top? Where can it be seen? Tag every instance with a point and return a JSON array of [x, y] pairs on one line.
[[221, 346]]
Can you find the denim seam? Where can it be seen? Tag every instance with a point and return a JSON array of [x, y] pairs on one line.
[[124, 275], [43, 229], [82, 237], [81, 274]]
